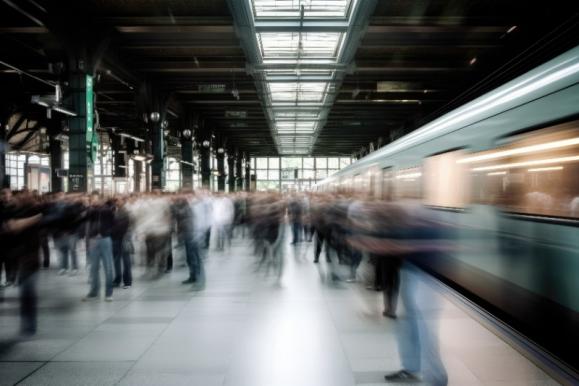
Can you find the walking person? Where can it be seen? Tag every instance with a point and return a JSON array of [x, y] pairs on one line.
[[100, 247], [122, 245]]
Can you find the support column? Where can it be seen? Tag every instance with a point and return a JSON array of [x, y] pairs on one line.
[[137, 170], [205, 164], [247, 176], [238, 173], [55, 148], [221, 169], [83, 139], [187, 158], [158, 150], [231, 176], [147, 169]]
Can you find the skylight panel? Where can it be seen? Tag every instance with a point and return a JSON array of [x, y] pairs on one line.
[[286, 45], [291, 8], [297, 91]]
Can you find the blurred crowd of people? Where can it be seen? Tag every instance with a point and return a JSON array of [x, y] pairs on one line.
[[120, 232]]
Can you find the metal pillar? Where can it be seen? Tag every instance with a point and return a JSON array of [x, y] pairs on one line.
[[55, 147], [82, 142], [238, 174], [186, 166], [137, 170], [220, 170], [205, 167], [158, 150], [247, 174], [231, 176]]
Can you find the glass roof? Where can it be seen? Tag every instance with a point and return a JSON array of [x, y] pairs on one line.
[[299, 66], [305, 45], [298, 92], [291, 8]]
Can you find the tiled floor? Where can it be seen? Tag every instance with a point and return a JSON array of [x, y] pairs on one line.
[[245, 329]]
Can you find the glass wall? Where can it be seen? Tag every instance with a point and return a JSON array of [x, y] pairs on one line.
[[172, 174], [294, 173], [103, 169], [27, 170], [15, 169]]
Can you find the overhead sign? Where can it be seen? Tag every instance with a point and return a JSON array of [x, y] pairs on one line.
[[91, 136]]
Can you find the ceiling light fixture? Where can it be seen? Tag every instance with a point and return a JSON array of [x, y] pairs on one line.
[[522, 150], [547, 169], [528, 163]]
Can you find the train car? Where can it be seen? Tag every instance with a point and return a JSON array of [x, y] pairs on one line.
[[503, 172]]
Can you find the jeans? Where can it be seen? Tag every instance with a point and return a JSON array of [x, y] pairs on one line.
[[194, 261], [66, 244], [296, 232], [100, 250], [122, 263], [417, 337]]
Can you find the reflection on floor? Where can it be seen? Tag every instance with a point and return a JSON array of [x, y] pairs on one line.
[[245, 329]]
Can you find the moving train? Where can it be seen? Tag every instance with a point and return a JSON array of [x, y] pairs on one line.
[[502, 171]]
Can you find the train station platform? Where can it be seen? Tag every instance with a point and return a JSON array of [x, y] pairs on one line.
[[244, 329]]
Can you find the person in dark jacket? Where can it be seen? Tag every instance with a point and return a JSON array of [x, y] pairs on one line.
[[20, 236], [183, 216], [121, 240], [66, 233], [8, 261]]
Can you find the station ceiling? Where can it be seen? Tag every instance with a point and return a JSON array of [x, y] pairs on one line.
[[415, 61]]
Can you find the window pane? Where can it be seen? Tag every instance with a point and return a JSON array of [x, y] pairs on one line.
[[308, 163], [321, 163], [291, 162], [309, 174], [332, 171], [261, 174], [261, 163], [345, 162], [320, 174], [445, 180], [274, 163], [333, 163], [273, 175], [409, 183]]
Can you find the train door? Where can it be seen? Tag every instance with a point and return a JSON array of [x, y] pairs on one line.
[[387, 189]]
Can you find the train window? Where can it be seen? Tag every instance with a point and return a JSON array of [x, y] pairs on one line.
[[373, 185], [357, 183], [387, 184], [408, 183], [446, 181], [535, 174]]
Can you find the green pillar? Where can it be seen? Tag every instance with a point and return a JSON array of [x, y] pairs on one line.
[[83, 139]]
